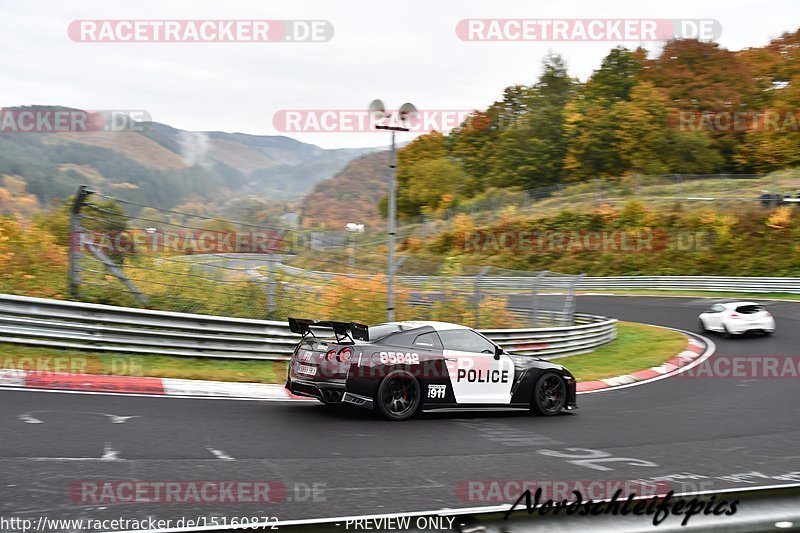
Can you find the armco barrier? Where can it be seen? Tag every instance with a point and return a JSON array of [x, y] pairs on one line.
[[692, 283], [667, 283], [76, 325], [517, 283]]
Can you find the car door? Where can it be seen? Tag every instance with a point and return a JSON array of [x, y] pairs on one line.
[[714, 316], [475, 375]]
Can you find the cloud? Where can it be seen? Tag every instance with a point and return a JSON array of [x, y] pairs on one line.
[[403, 51]]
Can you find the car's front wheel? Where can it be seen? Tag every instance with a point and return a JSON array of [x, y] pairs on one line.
[[398, 396], [549, 395]]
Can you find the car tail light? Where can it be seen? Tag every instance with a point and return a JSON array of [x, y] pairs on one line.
[[344, 354], [734, 315], [330, 355], [767, 313]]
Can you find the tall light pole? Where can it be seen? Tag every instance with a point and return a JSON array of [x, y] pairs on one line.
[[378, 110]]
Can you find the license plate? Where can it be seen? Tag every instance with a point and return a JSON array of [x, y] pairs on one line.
[[307, 370]]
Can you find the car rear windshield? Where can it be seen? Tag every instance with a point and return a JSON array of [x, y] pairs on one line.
[[749, 309]]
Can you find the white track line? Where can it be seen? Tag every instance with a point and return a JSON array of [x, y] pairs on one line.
[[109, 454], [219, 454]]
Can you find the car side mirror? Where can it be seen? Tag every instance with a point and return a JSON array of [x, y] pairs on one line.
[[497, 351]]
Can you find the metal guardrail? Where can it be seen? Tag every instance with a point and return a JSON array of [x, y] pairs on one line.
[[698, 283], [516, 283], [76, 325], [590, 332]]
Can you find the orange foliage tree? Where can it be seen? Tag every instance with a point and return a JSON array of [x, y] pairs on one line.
[[31, 262]]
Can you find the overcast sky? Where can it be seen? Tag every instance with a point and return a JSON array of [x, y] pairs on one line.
[[398, 51]]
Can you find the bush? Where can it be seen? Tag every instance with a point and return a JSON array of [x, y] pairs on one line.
[[31, 262]]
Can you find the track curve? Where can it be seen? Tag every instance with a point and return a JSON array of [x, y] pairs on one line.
[[713, 430]]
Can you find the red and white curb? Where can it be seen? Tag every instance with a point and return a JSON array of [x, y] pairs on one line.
[[192, 388], [187, 388], [695, 349]]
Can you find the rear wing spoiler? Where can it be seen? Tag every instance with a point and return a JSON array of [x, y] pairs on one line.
[[352, 330]]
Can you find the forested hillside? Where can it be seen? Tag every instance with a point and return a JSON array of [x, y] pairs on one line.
[[158, 165], [352, 195], [695, 108]]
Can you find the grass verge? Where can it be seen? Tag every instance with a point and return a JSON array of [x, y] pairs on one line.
[[637, 347]]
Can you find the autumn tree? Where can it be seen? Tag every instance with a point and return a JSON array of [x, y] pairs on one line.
[[617, 76], [15, 200], [593, 120], [530, 151], [772, 139], [425, 172]]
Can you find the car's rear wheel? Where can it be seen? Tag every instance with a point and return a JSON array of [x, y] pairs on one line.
[[725, 333], [398, 396], [549, 395]]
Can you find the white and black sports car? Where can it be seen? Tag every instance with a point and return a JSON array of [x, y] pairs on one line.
[[400, 368]]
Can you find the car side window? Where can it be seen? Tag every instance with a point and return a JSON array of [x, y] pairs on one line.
[[717, 308], [465, 340], [429, 341]]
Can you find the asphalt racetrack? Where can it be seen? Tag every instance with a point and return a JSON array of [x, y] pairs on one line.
[[709, 432]]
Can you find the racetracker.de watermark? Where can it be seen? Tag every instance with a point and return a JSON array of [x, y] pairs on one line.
[[614, 241], [179, 241], [772, 120], [746, 367], [44, 120], [486, 491], [188, 492], [362, 121], [200, 31], [79, 365], [615, 30]]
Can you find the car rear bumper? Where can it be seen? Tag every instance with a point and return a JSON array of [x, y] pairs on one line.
[[739, 327], [325, 391]]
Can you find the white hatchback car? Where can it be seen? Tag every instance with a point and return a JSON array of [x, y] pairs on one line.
[[735, 318]]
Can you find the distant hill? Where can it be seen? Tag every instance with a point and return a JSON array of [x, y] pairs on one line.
[[160, 165], [350, 196]]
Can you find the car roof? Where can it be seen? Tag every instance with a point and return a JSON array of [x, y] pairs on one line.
[[438, 326], [738, 303]]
